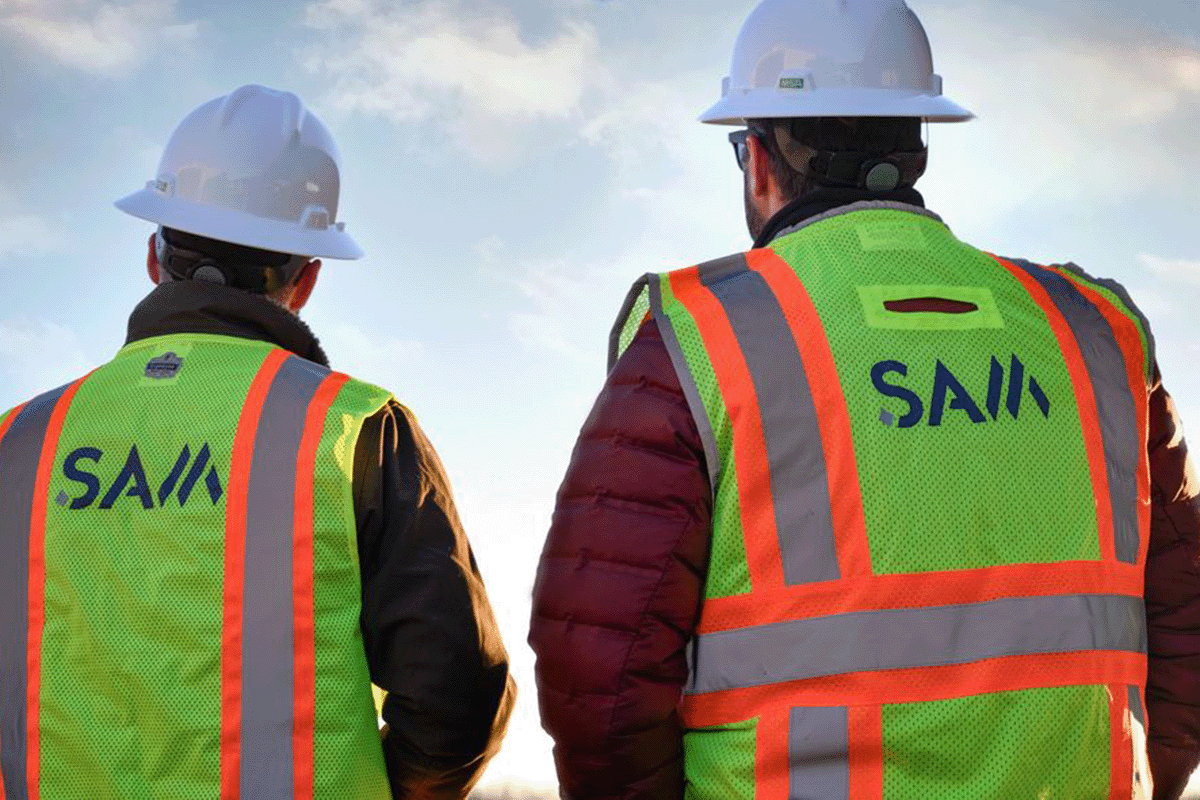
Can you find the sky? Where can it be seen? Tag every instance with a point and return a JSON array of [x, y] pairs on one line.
[[511, 168]]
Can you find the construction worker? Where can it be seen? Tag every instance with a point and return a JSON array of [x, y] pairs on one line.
[[865, 512], [213, 545]]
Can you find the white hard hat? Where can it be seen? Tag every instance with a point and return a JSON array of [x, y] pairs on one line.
[[832, 58], [253, 168]]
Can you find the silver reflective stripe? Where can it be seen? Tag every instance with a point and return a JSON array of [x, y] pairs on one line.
[[20, 452], [799, 482], [1114, 403], [916, 637], [818, 754], [683, 371], [268, 648], [1122, 295]]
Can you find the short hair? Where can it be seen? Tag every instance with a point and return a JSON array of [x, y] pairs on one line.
[[879, 136], [249, 268]]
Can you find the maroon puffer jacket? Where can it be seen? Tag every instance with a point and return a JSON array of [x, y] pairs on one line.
[[621, 580]]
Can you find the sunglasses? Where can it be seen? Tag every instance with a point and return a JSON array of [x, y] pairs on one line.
[[738, 140]]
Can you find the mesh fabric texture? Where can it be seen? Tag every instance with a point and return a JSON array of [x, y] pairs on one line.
[[131, 658], [980, 487], [728, 572], [1049, 744], [923, 486], [719, 761]]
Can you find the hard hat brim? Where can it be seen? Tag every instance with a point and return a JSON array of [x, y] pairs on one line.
[[741, 105], [280, 236]]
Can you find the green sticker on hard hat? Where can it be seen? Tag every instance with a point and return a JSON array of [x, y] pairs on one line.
[[791, 83]]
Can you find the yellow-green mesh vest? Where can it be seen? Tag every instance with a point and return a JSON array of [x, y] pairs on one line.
[[136, 495], [970, 455]]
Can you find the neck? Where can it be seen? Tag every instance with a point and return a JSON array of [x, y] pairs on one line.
[[822, 200]]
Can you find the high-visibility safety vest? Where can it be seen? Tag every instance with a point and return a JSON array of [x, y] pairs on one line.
[[929, 529], [179, 582]]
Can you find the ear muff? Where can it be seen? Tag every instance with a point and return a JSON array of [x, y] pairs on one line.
[[867, 171], [852, 170], [188, 265], [180, 261]]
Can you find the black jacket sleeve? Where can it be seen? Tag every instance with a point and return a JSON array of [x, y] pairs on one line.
[[431, 639]]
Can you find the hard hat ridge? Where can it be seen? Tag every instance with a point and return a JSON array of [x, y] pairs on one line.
[[832, 58], [253, 168], [291, 107]]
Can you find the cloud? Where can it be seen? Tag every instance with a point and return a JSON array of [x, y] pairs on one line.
[[468, 68], [1174, 270], [557, 296], [1069, 110], [36, 355], [565, 305], [383, 360], [1167, 292], [99, 37], [22, 234], [568, 305], [26, 235]]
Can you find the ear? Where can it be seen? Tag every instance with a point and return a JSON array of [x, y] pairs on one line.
[[152, 268], [305, 282], [761, 180]]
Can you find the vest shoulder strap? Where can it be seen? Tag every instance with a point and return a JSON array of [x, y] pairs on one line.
[[1111, 297], [633, 313], [1117, 294], [360, 397], [644, 299]]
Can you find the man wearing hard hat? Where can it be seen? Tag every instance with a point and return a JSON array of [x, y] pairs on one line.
[[213, 545], [865, 512]]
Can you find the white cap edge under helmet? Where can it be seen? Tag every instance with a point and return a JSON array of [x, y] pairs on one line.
[[285, 123], [799, 89]]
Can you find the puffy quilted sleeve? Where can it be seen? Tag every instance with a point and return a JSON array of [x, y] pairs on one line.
[[1172, 603], [620, 584]]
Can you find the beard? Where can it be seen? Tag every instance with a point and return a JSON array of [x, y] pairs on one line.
[[756, 220]]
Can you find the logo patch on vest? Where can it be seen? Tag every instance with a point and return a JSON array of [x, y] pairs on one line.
[[1006, 389], [133, 481], [164, 367]]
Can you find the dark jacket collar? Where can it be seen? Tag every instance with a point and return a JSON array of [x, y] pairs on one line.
[[197, 307], [823, 200]]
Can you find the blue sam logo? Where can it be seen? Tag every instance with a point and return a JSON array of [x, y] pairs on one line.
[[132, 480], [950, 394]]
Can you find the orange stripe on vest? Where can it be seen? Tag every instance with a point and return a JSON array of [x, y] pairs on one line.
[[302, 586], [771, 755], [37, 588], [845, 491], [235, 569], [865, 724], [759, 528], [1086, 402]]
